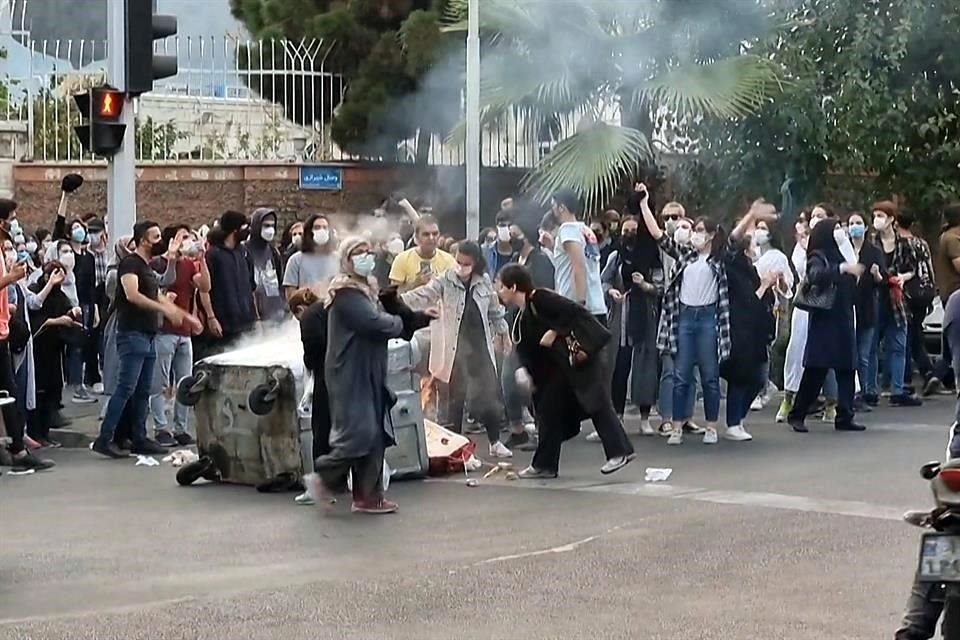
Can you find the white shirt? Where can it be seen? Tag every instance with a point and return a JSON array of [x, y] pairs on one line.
[[699, 286], [581, 234]]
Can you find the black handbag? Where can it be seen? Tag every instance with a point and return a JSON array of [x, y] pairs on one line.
[[810, 297]]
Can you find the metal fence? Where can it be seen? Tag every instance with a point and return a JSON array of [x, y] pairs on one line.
[[232, 100]]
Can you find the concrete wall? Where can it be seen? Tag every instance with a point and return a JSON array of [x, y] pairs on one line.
[[198, 193]]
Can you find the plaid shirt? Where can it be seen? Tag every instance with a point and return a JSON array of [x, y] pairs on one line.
[[670, 315], [906, 259], [100, 258]]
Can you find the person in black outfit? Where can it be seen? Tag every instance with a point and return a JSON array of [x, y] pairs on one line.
[[869, 289], [831, 342], [56, 325], [232, 282], [560, 347]]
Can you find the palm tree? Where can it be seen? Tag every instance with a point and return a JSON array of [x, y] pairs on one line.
[[619, 70]]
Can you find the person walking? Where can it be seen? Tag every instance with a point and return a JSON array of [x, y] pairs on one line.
[[869, 288], [465, 339], [560, 347], [355, 370], [831, 341], [138, 306]]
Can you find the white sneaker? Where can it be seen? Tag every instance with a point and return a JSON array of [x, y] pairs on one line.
[[98, 388], [304, 499], [499, 450], [530, 428], [676, 437], [757, 404], [646, 429], [710, 436], [737, 433], [593, 437]]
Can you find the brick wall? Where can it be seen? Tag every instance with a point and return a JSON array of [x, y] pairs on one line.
[[197, 193]]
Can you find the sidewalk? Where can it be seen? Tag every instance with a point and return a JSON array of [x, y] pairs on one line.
[[85, 426]]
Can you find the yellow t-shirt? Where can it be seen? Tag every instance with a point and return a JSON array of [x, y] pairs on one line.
[[408, 265]]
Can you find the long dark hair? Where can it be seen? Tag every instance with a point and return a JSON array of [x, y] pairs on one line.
[[307, 245], [472, 250], [719, 245]]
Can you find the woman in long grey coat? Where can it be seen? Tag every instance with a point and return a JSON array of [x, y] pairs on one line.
[[356, 373]]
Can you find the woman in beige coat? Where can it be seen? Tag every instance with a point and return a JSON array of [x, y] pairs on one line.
[[464, 339]]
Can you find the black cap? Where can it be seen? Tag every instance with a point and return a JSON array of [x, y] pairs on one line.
[[96, 225]]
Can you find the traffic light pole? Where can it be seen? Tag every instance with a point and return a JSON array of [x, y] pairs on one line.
[[121, 168]]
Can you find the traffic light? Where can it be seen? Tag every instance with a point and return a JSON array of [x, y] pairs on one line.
[[100, 108], [142, 28]]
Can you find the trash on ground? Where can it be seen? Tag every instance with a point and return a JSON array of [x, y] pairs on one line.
[[448, 452], [181, 457], [147, 461], [657, 475], [471, 482]]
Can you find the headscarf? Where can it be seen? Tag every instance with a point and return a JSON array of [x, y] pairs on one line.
[[822, 240], [645, 254], [121, 248], [347, 278]]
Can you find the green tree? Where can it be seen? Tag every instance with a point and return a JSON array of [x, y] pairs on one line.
[[874, 91], [619, 71], [388, 53]]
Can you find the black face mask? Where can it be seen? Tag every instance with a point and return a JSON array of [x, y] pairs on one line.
[[242, 235], [516, 244]]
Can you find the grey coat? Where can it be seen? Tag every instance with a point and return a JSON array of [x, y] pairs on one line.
[[645, 363], [356, 373]]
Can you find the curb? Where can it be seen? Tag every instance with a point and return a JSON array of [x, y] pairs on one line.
[[71, 439]]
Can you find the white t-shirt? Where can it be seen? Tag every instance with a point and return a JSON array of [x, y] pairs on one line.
[[309, 269], [582, 235], [699, 286]]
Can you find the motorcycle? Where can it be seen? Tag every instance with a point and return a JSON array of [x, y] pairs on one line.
[[937, 584]]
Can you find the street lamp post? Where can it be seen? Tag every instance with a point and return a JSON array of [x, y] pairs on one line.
[[473, 120]]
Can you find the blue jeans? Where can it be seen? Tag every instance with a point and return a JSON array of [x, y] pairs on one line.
[[174, 355], [867, 360], [136, 359], [894, 338], [740, 395], [514, 399], [668, 379], [697, 340]]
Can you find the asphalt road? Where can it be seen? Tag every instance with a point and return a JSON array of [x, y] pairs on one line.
[[790, 536]]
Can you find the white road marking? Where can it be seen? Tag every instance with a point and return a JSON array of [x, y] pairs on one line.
[[565, 548]]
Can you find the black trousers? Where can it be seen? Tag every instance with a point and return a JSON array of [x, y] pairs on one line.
[[41, 420], [367, 473], [474, 383], [810, 385], [916, 349], [13, 417]]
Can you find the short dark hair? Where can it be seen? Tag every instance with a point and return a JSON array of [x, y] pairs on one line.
[[231, 222], [472, 249], [7, 207], [827, 207], [569, 199], [886, 206], [504, 218], [951, 214], [141, 228], [905, 219], [516, 275]]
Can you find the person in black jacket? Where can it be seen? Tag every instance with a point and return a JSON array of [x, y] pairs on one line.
[[831, 340], [231, 282], [560, 347], [267, 265], [869, 288]]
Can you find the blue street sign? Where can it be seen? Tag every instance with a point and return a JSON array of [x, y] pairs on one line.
[[321, 178]]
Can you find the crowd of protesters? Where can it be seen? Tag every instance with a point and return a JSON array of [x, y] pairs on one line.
[[548, 319]]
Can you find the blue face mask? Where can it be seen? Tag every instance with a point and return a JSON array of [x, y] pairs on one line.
[[364, 264], [856, 230], [22, 256], [79, 234], [15, 229]]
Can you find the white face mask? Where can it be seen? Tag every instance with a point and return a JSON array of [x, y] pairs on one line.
[[31, 247], [395, 247], [297, 239], [321, 236], [671, 227], [188, 248], [68, 260], [698, 240], [761, 237], [503, 234], [682, 235], [880, 223], [268, 233]]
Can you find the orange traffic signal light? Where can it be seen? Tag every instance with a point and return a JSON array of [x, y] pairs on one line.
[[108, 102], [100, 110]]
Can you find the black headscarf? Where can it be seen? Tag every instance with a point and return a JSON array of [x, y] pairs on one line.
[[822, 241], [642, 255]]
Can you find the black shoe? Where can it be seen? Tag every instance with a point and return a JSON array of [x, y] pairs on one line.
[[871, 399], [184, 439], [797, 425], [910, 390], [148, 448], [932, 386], [59, 421], [27, 461], [109, 450], [166, 439], [905, 400], [516, 440], [851, 426]]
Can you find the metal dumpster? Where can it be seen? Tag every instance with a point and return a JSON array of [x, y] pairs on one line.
[[252, 409]]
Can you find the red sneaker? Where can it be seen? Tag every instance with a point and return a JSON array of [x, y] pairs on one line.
[[376, 507]]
